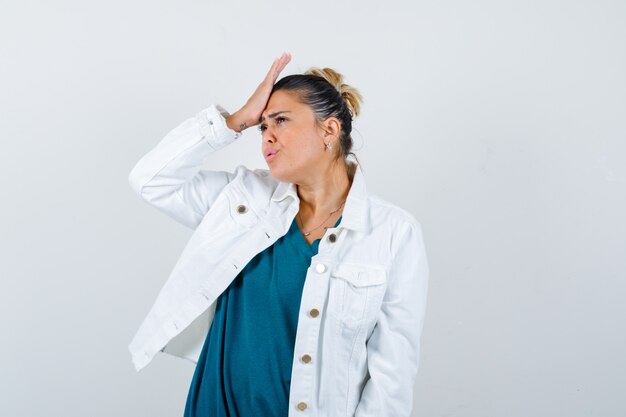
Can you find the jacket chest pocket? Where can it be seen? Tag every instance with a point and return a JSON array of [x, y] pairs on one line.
[[355, 293]]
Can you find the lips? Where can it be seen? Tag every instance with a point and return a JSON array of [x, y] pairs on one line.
[[270, 155]]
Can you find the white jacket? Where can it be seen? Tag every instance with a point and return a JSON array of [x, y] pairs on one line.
[[368, 281]]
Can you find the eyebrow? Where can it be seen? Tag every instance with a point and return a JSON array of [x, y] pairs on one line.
[[271, 116]]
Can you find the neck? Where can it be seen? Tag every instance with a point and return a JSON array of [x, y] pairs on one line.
[[323, 194]]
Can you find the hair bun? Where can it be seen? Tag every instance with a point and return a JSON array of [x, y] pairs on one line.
[[351, 95]]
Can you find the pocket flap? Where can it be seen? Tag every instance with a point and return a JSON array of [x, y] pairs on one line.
[[360, 275]]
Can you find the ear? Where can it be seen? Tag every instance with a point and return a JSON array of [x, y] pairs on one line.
[[332, 127]]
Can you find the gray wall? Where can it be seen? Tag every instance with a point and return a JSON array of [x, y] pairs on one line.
[[498, 124]]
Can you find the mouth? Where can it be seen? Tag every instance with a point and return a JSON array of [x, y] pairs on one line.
[[270, 155]]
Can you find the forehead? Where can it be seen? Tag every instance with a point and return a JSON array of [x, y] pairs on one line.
[[280, 101]]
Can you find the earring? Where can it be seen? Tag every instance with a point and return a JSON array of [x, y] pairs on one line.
[[329, 147]]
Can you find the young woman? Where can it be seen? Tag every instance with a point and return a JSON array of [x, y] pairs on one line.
[[299, 292]]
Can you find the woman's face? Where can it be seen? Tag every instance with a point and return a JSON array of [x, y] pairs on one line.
[[292, 139]]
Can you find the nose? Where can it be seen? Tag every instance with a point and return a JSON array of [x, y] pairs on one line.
[[268, 135]]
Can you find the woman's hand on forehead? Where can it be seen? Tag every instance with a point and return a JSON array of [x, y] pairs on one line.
[[250, 113]]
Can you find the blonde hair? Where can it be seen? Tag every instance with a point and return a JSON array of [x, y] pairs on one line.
[[350, 94]]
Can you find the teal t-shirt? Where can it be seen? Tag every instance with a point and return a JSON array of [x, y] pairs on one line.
[[244, 369]]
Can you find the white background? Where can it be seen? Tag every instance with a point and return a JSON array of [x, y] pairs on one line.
[[500, 125]]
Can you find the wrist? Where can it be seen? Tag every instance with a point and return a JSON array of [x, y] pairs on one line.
[[237, 122]]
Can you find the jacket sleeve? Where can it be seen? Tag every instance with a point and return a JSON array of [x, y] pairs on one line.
[[393, 347], [169, 176]]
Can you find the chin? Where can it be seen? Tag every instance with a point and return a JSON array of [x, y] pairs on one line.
[[279, 175]]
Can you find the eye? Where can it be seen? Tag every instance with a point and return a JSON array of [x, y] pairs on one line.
[[279, 120]]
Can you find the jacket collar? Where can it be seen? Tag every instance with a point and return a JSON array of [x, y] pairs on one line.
[[355, 214]]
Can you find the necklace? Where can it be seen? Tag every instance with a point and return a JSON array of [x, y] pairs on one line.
[[331, 213]]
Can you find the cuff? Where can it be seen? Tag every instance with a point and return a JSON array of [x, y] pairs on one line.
[[214, 128]]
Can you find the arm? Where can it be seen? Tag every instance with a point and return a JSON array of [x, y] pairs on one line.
[[393, 347], [169, 176]]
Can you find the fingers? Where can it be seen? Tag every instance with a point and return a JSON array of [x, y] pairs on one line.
[[277, 66], [283, 61], [258, 100], [270, 73]]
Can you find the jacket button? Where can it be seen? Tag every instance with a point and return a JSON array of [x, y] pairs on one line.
[[306, 358], [301, 406], [241, 208], [320, 268], [332, 237], [314, 312]]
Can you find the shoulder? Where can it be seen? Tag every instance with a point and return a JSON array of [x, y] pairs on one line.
[[400, 225], [255, 176], [392, 212], [256, 181], [406, 246], [251, 173]]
